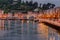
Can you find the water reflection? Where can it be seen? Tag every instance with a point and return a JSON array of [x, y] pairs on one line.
[[53, 35], [42, 31], [26, 30]]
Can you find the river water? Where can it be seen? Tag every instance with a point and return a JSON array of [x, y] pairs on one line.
[[26, 30]]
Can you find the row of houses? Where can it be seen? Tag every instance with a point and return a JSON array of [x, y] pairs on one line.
[[55, 12]]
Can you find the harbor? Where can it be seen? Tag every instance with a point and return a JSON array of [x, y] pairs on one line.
[[29, 20], [28, 27]]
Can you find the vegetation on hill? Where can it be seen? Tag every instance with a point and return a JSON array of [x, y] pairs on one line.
[[7, 5]]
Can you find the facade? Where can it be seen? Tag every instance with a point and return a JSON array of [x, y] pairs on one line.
[[51, 13]]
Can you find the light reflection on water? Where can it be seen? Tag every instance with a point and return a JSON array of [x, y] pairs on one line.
[[27, 30]]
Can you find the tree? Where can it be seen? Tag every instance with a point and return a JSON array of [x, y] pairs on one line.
[[40, 5], [44, 7], [19, 3], [48, 6], [35, 5], [31, 3], [52, 5], [27, 3]]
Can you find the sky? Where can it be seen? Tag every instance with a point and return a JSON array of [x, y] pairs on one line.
[[56, 2]]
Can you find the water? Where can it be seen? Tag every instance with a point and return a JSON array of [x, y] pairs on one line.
[[26, 30]]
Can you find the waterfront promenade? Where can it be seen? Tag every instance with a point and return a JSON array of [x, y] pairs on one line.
[[46, 16]]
